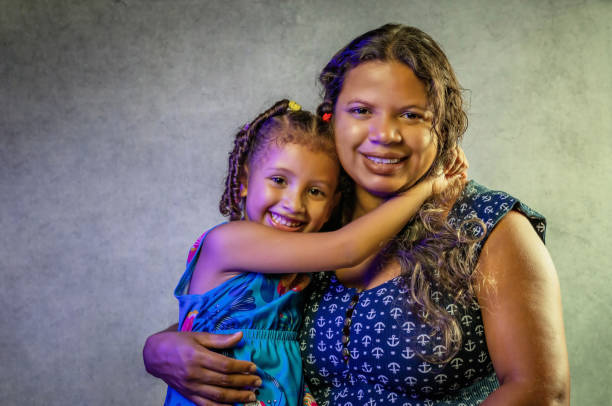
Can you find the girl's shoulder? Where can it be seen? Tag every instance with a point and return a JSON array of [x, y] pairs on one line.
[[194, 248]]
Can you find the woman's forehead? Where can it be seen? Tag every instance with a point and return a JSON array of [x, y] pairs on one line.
[[379, 82]]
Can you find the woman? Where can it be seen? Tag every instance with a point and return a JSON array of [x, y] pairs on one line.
[[464, 304]]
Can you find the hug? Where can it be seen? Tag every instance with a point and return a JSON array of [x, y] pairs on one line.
[[422, 287]]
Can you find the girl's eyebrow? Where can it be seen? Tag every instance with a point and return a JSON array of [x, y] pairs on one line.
[[319, 182], [278, 169]]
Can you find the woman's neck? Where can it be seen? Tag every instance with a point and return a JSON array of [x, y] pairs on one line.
[[365, 202]]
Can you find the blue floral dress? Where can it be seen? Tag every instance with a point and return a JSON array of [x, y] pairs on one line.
[[382, 366], [267, 309]]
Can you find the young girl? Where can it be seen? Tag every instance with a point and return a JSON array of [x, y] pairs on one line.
[[283, 175]]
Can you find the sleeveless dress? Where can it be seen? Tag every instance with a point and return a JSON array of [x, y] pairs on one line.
[[266, 308], [382, 366]]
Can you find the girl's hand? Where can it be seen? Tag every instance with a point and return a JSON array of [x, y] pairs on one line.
[[459, 165], [457, 169], [183, 360]]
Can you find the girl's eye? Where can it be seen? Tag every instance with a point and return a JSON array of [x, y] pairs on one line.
[[316, 192], [279, 180]]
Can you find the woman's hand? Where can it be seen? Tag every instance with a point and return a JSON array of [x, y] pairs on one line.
[[183, 360]]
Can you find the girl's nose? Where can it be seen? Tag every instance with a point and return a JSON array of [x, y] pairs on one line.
[[292, 201]]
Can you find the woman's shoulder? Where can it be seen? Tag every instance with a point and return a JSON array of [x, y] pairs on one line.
[[491, 206]]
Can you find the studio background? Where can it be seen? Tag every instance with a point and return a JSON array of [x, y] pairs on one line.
[[116, 118]]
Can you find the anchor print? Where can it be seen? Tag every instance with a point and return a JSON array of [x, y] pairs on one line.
[[408, 327], [366, 340], [425, 367], [377, 352], [394, 367], [423, 339], [469, 345], [393, 341], [407, 353]]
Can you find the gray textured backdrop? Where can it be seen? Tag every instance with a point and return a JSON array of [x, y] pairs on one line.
[[115, 122]]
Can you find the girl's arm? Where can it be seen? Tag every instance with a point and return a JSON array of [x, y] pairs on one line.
[[522, 317], [249, 246]]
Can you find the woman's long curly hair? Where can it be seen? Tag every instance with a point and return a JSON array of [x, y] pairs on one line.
[[279, 125], [432, 253]]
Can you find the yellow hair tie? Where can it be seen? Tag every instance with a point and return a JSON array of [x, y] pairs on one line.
[[293, 106]]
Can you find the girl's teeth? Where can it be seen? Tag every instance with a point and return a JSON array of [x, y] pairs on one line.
[[284, 221], [383, 160]]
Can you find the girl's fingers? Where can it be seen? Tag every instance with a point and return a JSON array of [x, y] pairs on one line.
[[459, 164]]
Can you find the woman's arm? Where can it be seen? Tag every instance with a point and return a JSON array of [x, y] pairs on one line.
[[522, 317], [183, 360], [249, 246]]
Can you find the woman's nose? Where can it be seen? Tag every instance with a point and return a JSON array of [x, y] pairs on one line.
[[385, 131]]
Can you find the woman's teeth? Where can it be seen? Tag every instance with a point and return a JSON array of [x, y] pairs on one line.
[[284, 221], [383, 160]]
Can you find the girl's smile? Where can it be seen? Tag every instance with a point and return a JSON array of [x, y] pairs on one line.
[[291, 188]]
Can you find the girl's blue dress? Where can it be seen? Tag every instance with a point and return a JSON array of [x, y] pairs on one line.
[[267, 309]]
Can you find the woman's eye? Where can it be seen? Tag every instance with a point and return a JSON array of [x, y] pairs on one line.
[[359, 111], [411, 115]]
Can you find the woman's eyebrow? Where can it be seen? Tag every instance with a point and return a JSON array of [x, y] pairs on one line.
[[408, 105]]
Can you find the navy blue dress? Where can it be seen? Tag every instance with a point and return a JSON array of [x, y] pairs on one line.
[[383, 367]]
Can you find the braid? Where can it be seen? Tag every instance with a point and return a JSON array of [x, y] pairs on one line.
[[326, 107], [245, 143]]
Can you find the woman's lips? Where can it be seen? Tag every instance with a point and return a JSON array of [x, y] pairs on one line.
[[383, 165]]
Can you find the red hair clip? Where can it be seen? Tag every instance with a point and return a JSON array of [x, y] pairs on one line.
[[326, 117]]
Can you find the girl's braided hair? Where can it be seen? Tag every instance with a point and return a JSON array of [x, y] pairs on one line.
[[281, 124]]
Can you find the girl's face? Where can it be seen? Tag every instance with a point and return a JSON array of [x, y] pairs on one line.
[[291, 188], [383, 127]]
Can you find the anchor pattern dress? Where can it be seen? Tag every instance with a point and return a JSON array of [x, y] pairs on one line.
[[267, 309], [384, 338]]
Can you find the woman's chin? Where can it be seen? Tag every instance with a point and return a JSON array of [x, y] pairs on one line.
[[384, 190]]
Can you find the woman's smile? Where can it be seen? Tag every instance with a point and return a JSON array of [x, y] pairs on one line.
[[383, 164], [383, 128]]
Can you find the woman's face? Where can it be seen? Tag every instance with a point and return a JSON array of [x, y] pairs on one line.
[[383, 128]]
